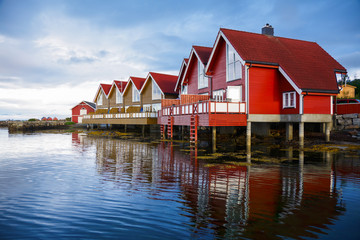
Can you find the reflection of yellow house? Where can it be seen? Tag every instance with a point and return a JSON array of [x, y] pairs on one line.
[[347, 91]]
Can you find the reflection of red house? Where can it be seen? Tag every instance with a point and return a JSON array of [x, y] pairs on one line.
[[81, 109]]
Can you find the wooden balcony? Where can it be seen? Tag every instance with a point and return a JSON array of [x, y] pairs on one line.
[[210, 113], [142, 118]]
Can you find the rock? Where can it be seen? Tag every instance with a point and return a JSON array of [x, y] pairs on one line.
[[352, 127], [339, 117], [340, 121], [356, 121], [348, 122], [340, 127], [353, 133], [353, 115]]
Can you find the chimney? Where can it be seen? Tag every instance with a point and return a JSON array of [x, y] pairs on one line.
[[268, 30]]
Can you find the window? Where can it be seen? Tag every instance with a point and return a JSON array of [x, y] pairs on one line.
[[83, 111], [147, 107], [156, 107], [156, 93], [218, 95], [289, 100], [135, 95], [202, 80], [233, 93], [233, 65], [100, 99], [184, 89], [119, 97]]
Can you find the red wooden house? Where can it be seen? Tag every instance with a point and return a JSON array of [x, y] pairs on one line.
[[81, 109], [272, 79]]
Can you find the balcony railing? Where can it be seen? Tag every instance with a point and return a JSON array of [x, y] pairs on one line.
[[122, 115], [207, 107]]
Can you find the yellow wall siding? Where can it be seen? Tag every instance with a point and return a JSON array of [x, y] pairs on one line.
[[347, 91]]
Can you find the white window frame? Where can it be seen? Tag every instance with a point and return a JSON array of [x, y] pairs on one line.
[[237, 88], [100, 99], [202, 79], [184, 89], [289, 99], [82, 112], [135, 95], [147, 108], [233, 63], [119, 97], [156, 92]]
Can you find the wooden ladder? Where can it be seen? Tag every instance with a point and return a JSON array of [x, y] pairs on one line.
[[194, 119], [170, 127], [162, 129]]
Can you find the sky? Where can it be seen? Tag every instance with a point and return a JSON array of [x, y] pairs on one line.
[[55, 53]]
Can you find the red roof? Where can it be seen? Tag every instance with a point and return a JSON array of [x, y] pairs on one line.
[[106, 88], [203, 53], [308, 65], [138, 82], [120, 85], [165, 82]]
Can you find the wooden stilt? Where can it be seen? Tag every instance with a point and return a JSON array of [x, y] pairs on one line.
[[327, 131], [289, 131], [301, 135], [214, 139]]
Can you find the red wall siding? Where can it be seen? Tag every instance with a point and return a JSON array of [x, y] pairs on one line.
[[285, 86], [348, 108], [317, 105], [264, 92], [219, 71], [193, 78]]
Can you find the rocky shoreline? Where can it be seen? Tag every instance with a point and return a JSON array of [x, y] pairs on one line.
[[15, 126]]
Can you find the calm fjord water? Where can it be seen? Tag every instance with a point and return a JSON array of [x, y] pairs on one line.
[[67, 186]]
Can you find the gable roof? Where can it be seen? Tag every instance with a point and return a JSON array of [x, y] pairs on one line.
[[181, 73], [119, 85], [105, 88], [202, 53], [166, 82], [91, 104], [304, 63], [138, 82]]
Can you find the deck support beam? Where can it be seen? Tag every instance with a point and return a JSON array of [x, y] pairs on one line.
[[125, 128], [248, 135], [289, 131], [301, 135], [327, 131], [214, 139], [143, 130]]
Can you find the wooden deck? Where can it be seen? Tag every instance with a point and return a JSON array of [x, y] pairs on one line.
[[143, 118], [210, 113]]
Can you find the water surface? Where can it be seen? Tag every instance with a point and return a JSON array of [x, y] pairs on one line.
[[66, 186]]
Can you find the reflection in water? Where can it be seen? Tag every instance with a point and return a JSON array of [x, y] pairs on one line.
[[292, 199], [67, 186]]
